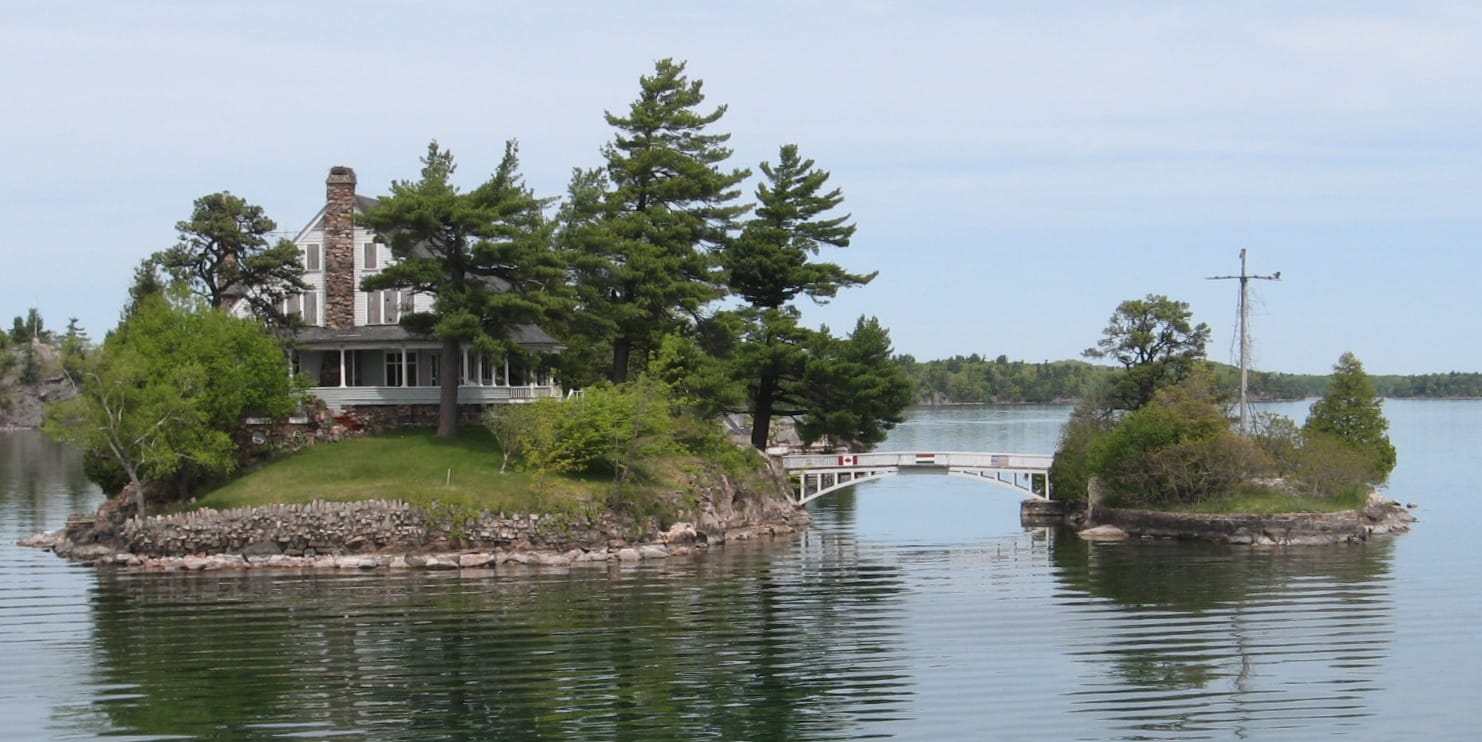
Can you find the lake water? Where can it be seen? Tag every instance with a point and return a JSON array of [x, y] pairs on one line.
[[916, 608]]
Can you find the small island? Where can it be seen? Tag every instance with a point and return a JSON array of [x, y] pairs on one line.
[[1156, 454], [600, 372]]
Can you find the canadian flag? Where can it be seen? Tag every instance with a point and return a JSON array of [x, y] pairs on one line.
[[849, 460]]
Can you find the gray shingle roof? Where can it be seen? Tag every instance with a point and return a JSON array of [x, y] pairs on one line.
[[529, 337]]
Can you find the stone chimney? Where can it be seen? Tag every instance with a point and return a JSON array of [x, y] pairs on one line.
[[339, 248]]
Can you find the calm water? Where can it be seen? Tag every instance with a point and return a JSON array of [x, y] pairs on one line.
[[917, 608]]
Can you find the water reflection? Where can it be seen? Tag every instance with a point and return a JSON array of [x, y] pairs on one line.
[[743, 646], [40, 480], [1192, 638]]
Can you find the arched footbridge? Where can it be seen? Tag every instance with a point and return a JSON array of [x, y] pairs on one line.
[[816, 475]]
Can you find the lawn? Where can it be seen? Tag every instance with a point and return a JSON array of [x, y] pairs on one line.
[[1265, 501], [413, 466]]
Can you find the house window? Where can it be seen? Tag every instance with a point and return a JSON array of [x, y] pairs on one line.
[[373, 308], [371, 261], [293, 305], [393, 368], [311, 258], [311, 307], [433, 363], [392, 300]]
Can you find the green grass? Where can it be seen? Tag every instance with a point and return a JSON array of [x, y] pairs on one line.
[[413, 466], [1265, 501]]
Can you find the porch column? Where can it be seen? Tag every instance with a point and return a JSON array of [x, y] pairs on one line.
[[506, 371], [342, 368], [405, 374]]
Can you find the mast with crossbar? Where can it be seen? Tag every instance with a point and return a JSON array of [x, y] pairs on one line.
[[1245, 279]]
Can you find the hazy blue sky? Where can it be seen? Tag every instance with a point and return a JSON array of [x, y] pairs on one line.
[[1016, 169]]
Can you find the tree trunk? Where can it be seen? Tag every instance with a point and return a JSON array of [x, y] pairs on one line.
[[622, 348], [761, 414], [447, 402]]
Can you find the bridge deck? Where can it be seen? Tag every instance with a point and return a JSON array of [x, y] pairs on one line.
[[819, 474]]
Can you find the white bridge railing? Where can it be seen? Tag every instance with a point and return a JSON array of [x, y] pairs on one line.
[[816, 475]]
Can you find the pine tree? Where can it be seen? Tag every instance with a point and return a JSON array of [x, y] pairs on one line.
[[669, 204], [224, 255], [1351, 412], [769, 266], [855, 390], [484, 257]]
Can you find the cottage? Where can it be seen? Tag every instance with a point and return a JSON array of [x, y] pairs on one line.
[[350, 344]]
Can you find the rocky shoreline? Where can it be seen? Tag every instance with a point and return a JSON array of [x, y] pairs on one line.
[[679, 541], [395, 535], [1380, 517]]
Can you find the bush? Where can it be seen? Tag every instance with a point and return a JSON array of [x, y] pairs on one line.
[[607, 430], [1070, 472], [1328, 466], [1177, 449]]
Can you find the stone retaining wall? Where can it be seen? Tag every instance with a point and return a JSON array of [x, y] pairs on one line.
[[355, 527], [1280, 528]]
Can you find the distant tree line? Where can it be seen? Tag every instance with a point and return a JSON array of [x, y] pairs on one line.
[[974, 379]]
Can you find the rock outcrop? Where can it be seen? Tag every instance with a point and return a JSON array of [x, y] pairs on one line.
[[22, 402]]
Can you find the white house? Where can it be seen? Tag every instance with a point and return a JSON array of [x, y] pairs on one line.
[[350, 344]]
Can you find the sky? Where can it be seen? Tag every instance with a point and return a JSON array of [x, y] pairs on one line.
[[1015, 169]]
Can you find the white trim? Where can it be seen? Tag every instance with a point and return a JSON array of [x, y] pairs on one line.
[[337, 398]]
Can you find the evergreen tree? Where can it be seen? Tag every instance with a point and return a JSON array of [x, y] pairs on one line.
[[769, 265], [668, 205], [1351, 412], [224, 255], [581, 239], [484, 256], [855, 391]]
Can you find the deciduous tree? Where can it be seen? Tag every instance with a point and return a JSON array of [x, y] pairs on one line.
[[1156, 344], [169, 386]]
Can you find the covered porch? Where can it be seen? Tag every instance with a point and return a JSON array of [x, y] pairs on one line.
[[360, 369]]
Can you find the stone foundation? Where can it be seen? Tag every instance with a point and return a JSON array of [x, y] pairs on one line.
[[1277, 529]]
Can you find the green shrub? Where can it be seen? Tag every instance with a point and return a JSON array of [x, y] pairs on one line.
[[1179, 448]]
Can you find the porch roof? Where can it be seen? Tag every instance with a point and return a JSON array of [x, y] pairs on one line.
[[529, 337]]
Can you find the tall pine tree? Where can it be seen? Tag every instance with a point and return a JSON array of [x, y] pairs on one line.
[[769, 266], [668, 206], [484, 256]]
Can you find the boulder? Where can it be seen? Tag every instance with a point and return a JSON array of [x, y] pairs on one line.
[[1103, 533]]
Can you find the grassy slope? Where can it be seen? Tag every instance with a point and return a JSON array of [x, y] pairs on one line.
[[1260, 501], [413, 466]]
